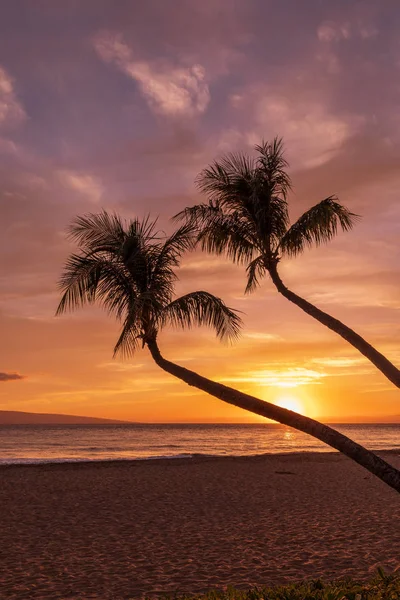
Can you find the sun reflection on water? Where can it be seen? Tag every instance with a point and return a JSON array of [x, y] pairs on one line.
[[288, 435]]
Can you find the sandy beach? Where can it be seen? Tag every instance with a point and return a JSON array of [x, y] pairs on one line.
[[120, 530]]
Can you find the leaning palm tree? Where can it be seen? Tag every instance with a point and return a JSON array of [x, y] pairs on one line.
[[129, 268], [246, 218]]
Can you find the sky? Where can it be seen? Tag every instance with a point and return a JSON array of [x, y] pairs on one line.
[[118, 106]]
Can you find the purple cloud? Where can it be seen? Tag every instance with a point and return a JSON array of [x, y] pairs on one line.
[[10, 376]]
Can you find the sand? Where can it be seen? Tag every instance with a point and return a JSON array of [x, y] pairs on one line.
[[122, 530]]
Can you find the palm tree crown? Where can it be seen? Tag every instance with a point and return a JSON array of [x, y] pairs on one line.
[[128, 267], [247, 216]]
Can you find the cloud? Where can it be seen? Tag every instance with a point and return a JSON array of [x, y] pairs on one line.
[[83, 183], [310, 131], [339, 363], [333, 32], [8, 147], [368, 31], [280, 378], [11, 110], [329, 31], [256, 335], [350, 296], [169, 90], [120, 367], [10, 376]]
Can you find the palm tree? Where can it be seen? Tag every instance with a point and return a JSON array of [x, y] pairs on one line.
[[246, 218], [129, 269]]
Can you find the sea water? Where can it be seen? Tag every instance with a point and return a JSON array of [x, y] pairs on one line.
[[59, 443]]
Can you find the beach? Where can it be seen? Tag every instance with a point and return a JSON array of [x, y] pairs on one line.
[[118, 530]]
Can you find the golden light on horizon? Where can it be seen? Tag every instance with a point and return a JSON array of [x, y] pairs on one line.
[[290, 402]]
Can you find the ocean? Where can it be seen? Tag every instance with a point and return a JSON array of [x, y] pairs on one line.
[[60, 443]]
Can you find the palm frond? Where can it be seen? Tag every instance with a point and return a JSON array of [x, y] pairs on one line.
[[254, 190], [131, 333], [230, 236], [101, 231], [203, 308], [219, 232], [128, 267], [272, 153], [164, 258], [255, 271], [144, 230], [90, 278], [270, 218], [228, 181], [316, 226], [272, 165], [140, 242], [198, 214], [222, 176], [181, 241]]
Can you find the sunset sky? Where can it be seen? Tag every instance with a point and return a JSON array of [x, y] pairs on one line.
[[119, 105]]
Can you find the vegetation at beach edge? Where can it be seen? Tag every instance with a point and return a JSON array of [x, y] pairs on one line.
[[381, 587]]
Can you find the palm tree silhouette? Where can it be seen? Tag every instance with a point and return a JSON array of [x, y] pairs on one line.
[[129, 268], [246, 218]]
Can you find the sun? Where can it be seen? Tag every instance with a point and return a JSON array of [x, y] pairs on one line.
[[290, 402]]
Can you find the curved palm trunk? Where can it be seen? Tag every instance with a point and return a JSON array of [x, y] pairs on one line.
[[374, 464], [381, 362]]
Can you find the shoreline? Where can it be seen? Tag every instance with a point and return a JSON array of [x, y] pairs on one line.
[[190, 457]]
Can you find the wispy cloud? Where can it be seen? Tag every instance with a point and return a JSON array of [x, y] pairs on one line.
[[257, 335], [287, 378], [349, 295], [11, 110], [339, 363], [120, 367], [83, 183], [169, 90], [310, 131], [333, 32]]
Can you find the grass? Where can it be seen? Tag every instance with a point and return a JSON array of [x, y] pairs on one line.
[[382, 587]]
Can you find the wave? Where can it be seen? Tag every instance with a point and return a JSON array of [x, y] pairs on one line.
[[83, 459], [5, 461]]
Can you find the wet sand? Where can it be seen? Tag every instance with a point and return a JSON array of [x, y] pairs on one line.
[[114, 531]]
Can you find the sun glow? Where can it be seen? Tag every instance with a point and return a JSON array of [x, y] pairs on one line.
[[291, 403]]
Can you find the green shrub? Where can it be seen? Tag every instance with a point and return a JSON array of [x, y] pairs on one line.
[[382, 587]]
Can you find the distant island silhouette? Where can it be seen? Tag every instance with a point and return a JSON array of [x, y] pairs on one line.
[[14, 417]]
